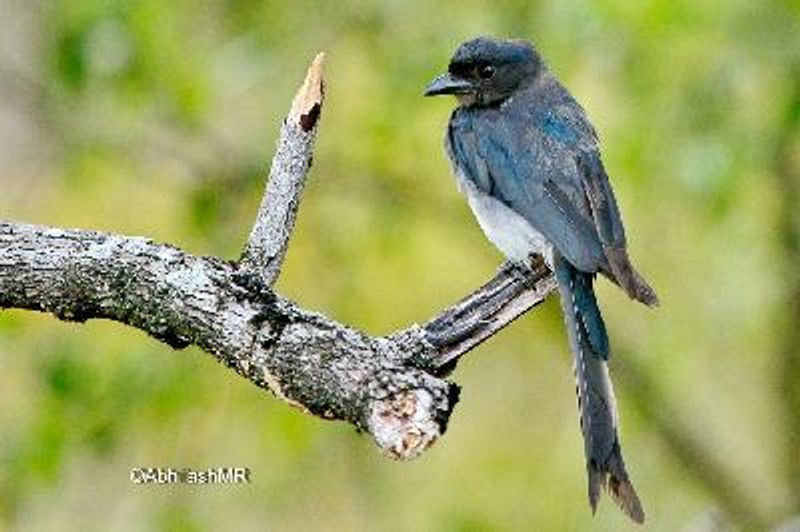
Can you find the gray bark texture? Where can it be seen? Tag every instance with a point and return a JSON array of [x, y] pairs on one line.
[[392, 387]]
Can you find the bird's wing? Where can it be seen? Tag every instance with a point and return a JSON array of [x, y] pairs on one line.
[[609, 227], [594, 181], [529, 162]]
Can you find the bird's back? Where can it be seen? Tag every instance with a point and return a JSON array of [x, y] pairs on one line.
[[537, 154]]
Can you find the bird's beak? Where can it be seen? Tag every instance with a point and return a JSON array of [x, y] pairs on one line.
[[448, 84]]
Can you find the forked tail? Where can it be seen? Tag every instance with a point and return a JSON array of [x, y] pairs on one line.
[[589, 343]]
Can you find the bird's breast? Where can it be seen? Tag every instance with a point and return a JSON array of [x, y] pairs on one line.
[[508, 231]]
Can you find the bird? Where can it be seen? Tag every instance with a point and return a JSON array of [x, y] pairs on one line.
[[527, 158]]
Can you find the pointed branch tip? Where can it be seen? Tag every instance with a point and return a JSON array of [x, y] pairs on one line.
[[307, 102]]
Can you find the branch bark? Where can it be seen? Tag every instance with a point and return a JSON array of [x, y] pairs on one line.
[[392, 387], [269, 238]]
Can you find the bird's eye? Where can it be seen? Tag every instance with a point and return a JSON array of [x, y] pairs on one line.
[[486, 71]]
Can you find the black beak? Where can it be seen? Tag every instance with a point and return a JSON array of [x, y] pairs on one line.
[[448, 84]]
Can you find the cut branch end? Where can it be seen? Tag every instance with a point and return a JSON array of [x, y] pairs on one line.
[[307, 102], [405, 425]]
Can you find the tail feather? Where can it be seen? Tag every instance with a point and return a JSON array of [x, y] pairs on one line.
[[598, 411]]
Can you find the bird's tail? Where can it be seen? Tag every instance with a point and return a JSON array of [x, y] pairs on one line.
[[589, 343]]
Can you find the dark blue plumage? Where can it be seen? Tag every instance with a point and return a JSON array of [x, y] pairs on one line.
[[528, 160]]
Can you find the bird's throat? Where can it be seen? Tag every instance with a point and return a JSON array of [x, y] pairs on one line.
[[467, 100]]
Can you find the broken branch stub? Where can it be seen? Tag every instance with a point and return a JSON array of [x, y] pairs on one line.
[[391, 387]]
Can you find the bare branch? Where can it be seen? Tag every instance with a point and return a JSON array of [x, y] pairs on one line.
[[269, 238], [480, 315], [318, 365], [391, 386], [387, 386]]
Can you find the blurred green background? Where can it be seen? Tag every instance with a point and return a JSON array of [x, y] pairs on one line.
[[159, 119]]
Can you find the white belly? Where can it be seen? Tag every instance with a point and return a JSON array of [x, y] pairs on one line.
[[507, 230]]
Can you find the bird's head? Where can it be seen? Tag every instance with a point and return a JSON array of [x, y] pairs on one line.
[[486, 71]]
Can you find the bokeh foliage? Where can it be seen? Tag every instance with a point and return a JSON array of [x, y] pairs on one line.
[[158, 119]]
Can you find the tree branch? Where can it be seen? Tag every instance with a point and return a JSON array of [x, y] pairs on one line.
[[269, 238], [480, 315], [391, 387]]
